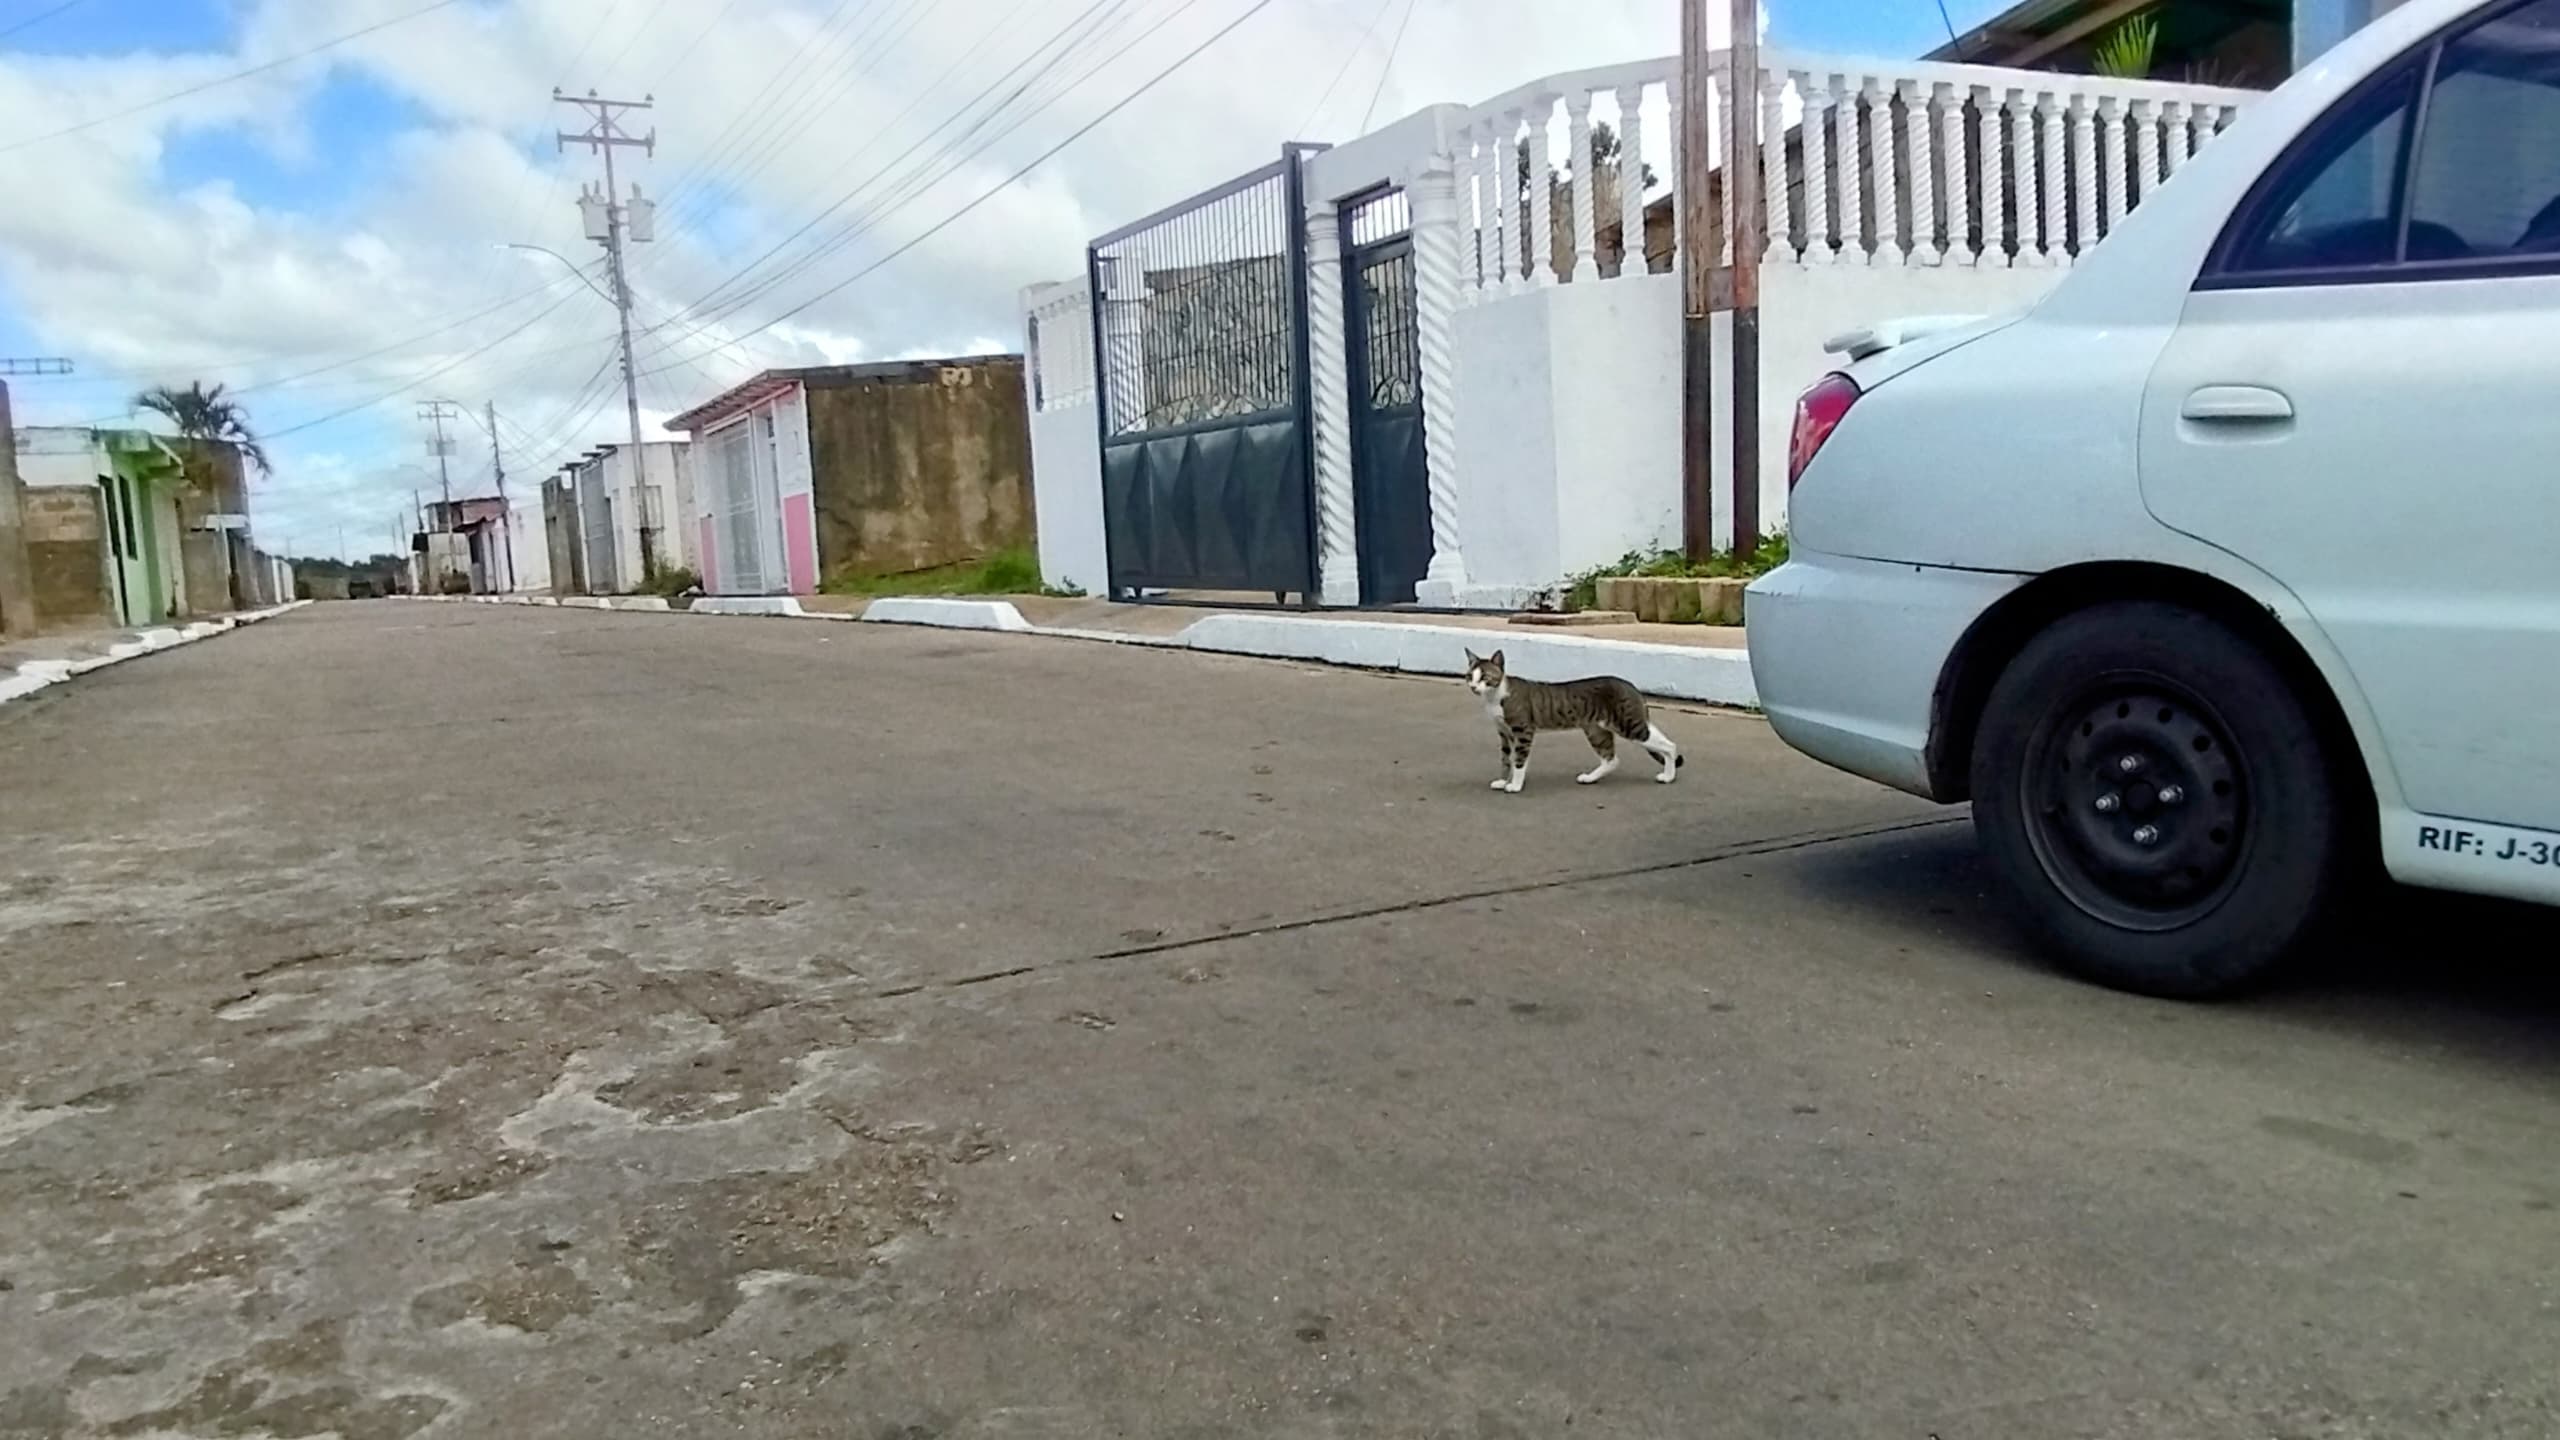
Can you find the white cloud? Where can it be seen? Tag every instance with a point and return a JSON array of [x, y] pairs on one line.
[[142, 275]]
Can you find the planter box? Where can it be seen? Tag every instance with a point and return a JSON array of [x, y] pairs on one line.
[[1672, 600]]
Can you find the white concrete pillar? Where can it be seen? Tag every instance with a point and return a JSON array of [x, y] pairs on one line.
[[1434, 197], [1329, 375]]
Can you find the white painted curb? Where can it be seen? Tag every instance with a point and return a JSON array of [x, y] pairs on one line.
[[1682, 672], [35, 675], [784, 607], [639, 602], [1707, 674], [950, 614]]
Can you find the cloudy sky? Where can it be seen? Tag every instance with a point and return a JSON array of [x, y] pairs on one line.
[[324, 235]]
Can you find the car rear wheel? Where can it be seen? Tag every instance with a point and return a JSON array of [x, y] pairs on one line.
[[2160, 800]]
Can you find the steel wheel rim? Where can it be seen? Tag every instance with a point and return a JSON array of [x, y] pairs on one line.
[[2137, 802]]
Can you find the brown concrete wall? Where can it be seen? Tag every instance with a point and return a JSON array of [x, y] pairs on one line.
[[67, 557], [216, 484], [918, 470]]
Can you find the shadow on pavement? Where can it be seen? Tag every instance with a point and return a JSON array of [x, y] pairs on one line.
[[2405, 967]]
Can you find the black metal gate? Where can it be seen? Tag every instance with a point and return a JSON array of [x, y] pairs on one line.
[[1390, 490], [1200, 341]]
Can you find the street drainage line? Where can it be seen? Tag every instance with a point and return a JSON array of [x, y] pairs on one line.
[[1743, 850]]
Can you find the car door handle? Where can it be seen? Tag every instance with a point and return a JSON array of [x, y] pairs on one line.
[[2242, 404]]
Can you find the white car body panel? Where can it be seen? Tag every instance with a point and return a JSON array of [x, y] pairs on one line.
[[1980, 458]]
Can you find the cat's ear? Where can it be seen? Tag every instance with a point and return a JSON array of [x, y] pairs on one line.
[[1472, 661], [1494, 659]]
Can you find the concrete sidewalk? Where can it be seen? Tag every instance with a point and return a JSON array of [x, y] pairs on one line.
[[27, 666], [1706, 663]]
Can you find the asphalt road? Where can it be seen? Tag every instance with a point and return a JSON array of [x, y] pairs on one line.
[[476, 1021]]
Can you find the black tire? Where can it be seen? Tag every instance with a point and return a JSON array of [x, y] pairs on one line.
[[2143, 717]]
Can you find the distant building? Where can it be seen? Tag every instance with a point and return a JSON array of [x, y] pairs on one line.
[[612, 505], [859, 469]]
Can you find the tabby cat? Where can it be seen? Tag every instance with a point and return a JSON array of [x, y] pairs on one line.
[[1603, 708]]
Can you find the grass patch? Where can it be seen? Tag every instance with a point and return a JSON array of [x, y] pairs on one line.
[[1014, 571], [1583, 592]]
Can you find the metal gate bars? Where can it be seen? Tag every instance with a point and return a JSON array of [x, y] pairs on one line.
[[1200, 340]]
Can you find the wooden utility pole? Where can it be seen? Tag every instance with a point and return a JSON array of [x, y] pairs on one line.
[[1750, 237], [1691, 193]]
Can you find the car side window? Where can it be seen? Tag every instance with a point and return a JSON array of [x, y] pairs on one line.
[[2336, 203], [2486, 180], [2446, 164]]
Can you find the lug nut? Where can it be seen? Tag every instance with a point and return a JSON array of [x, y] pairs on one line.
[[2129, 764], [2147, 835], [2108, 803], [2172, 794]]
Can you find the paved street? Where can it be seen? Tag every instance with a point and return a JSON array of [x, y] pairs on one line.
[[480, 1021]]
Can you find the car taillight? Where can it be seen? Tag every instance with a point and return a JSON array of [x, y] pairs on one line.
[[1819, 411]]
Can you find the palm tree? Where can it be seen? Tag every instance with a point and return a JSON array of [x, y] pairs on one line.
[[205, 413]]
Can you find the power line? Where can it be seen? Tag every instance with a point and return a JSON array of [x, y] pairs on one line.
[[906, 187], [38, 18], [236, 75], [606, 70], [1387, 69], [708, 297], [414, 382], [690, 46], [1035, 163], [1347, 61]]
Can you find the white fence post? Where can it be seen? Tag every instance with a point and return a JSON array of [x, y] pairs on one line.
[[1586, 197], [2084, 176], [1813, 134], [1995, 196], [2056, 248], [1542, 193], [1631, 256], [1846, 104], [1949, 101], [1433, 195], [1506, 200], [1329, 381], [1880, 166], [1479, 206], [1776, 213], [1922, 140], [2146, 152], [2111, 157]]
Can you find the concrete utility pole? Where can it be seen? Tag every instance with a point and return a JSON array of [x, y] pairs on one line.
[[435, 413], [1750, 237], [614, 223], [507, 520], [1697, 228], [1706, 288]]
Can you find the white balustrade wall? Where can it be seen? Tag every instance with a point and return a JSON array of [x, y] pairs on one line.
[[1864, 162], [1912, 163]]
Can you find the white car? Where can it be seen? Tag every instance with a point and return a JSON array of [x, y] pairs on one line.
[[2234, 565]]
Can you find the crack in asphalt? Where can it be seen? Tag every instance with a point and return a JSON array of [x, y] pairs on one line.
[[1739, 850]]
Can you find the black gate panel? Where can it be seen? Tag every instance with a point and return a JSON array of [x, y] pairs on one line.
[[1213, 507], [1390, 486], [1200, 341]]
